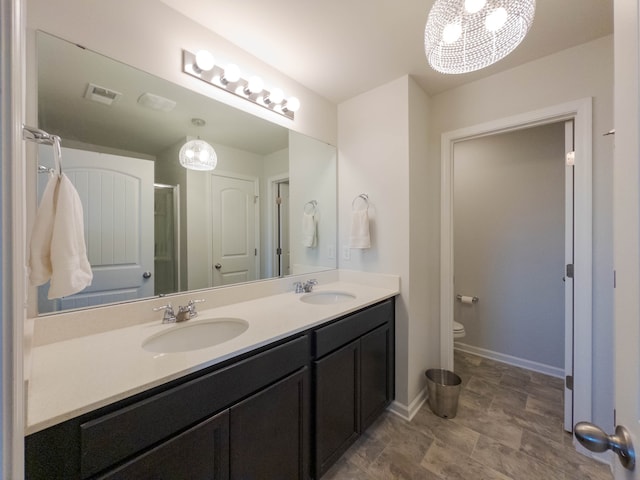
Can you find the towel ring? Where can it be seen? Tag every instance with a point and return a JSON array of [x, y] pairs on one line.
[[362, 196], [313, 204]]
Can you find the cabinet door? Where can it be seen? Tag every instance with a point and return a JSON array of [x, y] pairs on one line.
[[200, 453], [269, 432], [336, 404], [375, 374]]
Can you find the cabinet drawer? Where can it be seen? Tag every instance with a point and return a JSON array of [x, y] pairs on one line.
[[326, 339], [200, 453], [112, 438]]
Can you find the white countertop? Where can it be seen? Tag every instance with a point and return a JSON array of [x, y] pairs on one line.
[[75, 376]]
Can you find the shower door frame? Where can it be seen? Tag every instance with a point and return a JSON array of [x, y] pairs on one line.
[[580, 111]]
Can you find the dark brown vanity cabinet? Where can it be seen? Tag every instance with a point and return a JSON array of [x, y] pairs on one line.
[[263, 415], [234, 422], [353, 374]]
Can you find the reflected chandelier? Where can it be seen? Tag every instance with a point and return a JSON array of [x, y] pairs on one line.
[[462, 36]]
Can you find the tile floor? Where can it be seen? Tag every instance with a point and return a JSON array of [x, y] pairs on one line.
[[508, 427]]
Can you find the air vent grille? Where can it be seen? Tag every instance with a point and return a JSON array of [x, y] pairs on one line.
[[102, 95]]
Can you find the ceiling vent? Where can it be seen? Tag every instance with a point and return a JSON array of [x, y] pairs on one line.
[[102, 95], [156, 102]]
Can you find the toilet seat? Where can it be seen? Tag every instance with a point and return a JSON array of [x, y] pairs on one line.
[[458, 330]]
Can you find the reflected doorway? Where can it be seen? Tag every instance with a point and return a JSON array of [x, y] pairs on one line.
[[166, 217]]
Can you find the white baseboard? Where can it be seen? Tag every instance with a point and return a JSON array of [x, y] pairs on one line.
[[510, 360], [408, 412]]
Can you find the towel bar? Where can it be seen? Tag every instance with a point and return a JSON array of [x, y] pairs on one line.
[[364, 197]]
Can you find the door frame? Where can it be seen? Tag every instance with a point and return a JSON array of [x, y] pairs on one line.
[[256, 194], [581, 112], [177, 228], [14, 237], [272, 182]]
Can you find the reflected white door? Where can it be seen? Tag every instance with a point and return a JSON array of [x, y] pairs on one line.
[[117, 200], [234, 231]]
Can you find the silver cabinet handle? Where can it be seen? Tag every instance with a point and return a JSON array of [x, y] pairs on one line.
[[146, 275], [595, 439], [218, 266]]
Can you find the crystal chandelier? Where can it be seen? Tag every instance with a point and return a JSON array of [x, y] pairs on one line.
[[466, 35]]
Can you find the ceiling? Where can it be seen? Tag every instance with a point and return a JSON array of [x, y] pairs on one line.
[[341, 48], [65, 70]]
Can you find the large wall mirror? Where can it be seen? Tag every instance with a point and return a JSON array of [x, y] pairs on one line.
[[151, 226]]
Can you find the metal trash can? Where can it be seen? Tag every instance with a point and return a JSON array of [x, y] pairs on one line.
[[444, 389]]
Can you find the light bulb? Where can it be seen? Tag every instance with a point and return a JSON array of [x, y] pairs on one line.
[[203, 156], [474, 6], [189, 153], [292, 105], [254, 85], [496, 19], [204, 61], [275, 96], [451, 33], [231, 74]]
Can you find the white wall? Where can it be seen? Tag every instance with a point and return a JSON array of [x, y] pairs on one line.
[[509, 243], [383, 153], [582, 71], [313, 165], [149, 35]]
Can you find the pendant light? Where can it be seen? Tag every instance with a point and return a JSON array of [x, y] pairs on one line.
[[198, 154], [462, 36]]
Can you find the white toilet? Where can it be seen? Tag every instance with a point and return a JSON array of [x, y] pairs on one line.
[[458, 330]]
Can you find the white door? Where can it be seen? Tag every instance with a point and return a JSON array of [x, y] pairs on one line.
[[626, 216], [234, 231], [626, 231], [117, 199]]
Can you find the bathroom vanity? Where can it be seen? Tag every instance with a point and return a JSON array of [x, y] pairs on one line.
[[286, 409]]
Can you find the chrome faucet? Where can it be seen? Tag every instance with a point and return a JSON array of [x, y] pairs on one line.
[[305, 287], [169, 316], [309, 284], [185, 313]]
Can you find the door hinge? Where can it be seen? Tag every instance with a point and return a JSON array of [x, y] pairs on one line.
[[570, 270], [278, 200], [278, 251], [614, 279], [255, 199], [568, 381], [255, 252]]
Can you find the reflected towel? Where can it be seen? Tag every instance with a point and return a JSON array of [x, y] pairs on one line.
[[360, 237], [40, 245], [309, 230], [71, 271]]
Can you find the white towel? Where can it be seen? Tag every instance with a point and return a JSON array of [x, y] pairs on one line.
[[40, 245], [71, 271], [309, 230], [57, 250], [360, 237]]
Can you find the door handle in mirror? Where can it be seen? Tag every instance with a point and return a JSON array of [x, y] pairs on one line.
[[595, 439], [146, 275], [218, 266]]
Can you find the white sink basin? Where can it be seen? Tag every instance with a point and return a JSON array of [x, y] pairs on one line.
[[194, 335], [327, 297]]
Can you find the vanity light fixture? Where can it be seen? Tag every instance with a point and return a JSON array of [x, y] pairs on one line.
[[198, 154], [462, 36], [202, 65]]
